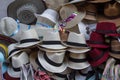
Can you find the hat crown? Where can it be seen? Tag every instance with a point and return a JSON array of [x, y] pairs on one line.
[[115, 45], [29, 34], [77, 38], [11, 47], [56, 57], [90, 7], [20, 59], [77, 56]]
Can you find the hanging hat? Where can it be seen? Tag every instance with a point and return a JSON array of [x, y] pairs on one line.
[[12, 50], [2, 63], [68, 10], [28, 38], [107, 28], [77, 61], [48, 18], [76, 41], [97, 40], [17, 62], [24, 10], [74, 1], [51, 40], [98, 1], [115, 48], [91, 12], [97, 56], [52, 62]]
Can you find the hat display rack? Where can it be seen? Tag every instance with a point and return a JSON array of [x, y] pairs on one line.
[[60, 40]]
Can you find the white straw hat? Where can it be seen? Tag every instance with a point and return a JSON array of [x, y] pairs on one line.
[[53, 62], [17, 61]]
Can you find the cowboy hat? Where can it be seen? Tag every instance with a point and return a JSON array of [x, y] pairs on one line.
[[52, 62], [18, 61], [28, 38], [77, 61], [69, 11], [24, 10], [48, 18]]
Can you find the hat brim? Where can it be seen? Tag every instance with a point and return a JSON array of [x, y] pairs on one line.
[[114, 35], [98, 45], [49, 67], [4, 68], [114, 55], [78, 76], [74, 1], [100, 61], [98, 1], [78, 50]]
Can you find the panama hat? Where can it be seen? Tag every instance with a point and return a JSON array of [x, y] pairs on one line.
[[97, 40], [12, 50], [2, 63], [48, 18], [51, 40], [17, 62], [52, 62], [77, 61], [75, 40], [97, 56], [67, 11], [98, 1], [24, 10], [28, 38]]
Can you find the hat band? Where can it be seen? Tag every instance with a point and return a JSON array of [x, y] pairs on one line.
[[83, 74], [61, 75], [96, 42], [115, 52], [90, 13], [14, 50], [28, 40], [51, 42], [16, 69], [109, 31], [76, 44], [44, 25], [77, 60], [51, 62]]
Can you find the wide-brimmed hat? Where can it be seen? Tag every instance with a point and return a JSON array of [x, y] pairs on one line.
[[91, 12], [17, 61], [107, 28], [108, 8], [97, 40], [24, 10], [115, 48], [28, 38], [48, 18], [52, 62], [77, 61], [97, 56], [3, 65], [51, 40], [68, 10], [98, 1], [75, 40]]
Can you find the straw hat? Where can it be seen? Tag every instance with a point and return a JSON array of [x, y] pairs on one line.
[[98, 1], [28, 38], [18, 61], [24, 10], [51, 40], [52, 62], [48, 18], [67, 10], [77, 61]]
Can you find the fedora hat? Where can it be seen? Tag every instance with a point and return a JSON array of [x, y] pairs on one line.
[[77, 61], [28, 38], [17, 61], [52, 62], [97, 40], [75, 40], [48, 18], [51, 40], [91, 12], [24, 10], [97, 56], [98, 1], [114, 48], [68, 11], [107, 28], [2, 63], [12, 50]]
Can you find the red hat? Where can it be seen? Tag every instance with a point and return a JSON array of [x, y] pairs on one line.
[[107, 28], [97, 56], [97, 40]]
